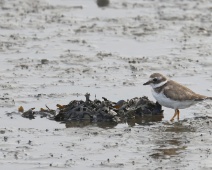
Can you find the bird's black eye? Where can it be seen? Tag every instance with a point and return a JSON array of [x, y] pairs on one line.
[[155, 79]]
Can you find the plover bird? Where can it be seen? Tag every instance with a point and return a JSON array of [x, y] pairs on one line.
[[173, 95]]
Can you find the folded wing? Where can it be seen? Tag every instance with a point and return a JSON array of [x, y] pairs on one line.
[[179, 92]]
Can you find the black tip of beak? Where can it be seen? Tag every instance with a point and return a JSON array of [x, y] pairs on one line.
[[147, 83]]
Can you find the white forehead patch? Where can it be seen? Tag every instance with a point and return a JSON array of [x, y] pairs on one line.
[[159, 78]]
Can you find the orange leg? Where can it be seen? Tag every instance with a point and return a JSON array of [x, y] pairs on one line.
[[177, 113]]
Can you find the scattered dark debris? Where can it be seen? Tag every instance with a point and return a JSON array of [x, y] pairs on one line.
[[5, 138], [28, 114], [2, 131], [102, 54], [44, 61], [97, 111], [23, 66], [102, 3], [31, 114], [29, 142], [133, 61]]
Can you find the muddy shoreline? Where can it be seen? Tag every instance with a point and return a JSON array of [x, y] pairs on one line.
[[56, 51]]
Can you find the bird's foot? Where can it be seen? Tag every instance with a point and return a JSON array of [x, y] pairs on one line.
[[177, 113]]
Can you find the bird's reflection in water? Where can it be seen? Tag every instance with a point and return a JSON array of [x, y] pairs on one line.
[[175, 141], [179, 127]]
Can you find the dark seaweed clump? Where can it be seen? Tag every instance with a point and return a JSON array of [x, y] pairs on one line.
[[98, 110]]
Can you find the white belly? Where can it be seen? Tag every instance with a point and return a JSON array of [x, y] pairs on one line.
[[164, 101]]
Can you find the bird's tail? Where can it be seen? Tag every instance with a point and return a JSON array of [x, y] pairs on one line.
[[201, 98]]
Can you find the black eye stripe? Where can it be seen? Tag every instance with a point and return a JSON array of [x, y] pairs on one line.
[[154, 79]]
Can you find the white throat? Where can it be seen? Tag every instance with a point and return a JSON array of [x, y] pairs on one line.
[[158, 85]]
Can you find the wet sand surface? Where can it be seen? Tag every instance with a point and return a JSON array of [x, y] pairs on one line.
[[56, 51]]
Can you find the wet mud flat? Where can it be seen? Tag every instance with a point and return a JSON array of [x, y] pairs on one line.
[[55, 51], [181, 145]]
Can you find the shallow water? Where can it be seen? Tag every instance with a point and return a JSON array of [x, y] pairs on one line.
[[109, 52]]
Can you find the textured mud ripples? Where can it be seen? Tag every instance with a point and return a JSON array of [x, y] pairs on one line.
[[184, 144], [56, 51]]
